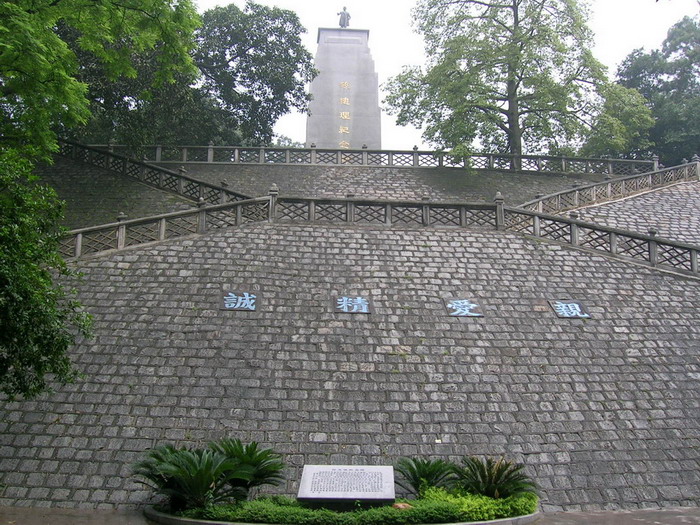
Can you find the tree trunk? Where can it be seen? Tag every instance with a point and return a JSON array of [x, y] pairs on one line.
[[515, 133]]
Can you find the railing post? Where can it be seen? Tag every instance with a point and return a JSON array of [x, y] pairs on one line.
[[536, 225], [441, 159], [350, 215], [500, 215], [79, 245], [540, 205], [272, 210], [655, 160], [223, 194], [491, 162], [180, 180], [210, 152], [162, 224], [613, 243], [415, 156], [426, 211], [696, 160], [159, 153], [184, 154], [694, 261], [313, 154], [261, 156], [574, 229], [201, 216], [611, 167], [653, 247], [389, 214], [121, 231]]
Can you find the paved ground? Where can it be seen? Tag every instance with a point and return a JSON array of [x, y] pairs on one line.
[[36, 516]]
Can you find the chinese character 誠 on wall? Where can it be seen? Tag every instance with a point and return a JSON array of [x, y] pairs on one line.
[[344, 111], [239, 301]]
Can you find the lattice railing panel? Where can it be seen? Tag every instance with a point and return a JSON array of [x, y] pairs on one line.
[[331, 212], [550, 205], [98, 159], [116, 164], [675, 256], [133, 170], [141, 233], [180, 226], [529, 164], [66, 246], [616, 189], [577, 166], [211, 195], [326, 157], [169, 182], [623, 168], [224, 154], [428, 160], [519, 222], [370, 213], [450, 161], [378, 159], [445, 215], [152, 176], [407, 215], [402, 159], [632, 247], [586, 196], [501, 163], [597, 166], [293, 210], [567, 200], [553, 165], [481, 217], [190, 189], [351, 158], [555, 230], [300, 157], [197, 154], [99, 241], [275, 156], [249, 155], [219, 219], [254, 212], [591, 238], [601, 192]]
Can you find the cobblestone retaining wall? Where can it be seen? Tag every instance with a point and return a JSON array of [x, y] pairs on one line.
[[385, 183], [673, 212], [604, 412]]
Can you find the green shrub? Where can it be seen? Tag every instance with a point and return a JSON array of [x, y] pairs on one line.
[[265, 465], [191, 478], [476, 507], [419, 474], [493, 478]]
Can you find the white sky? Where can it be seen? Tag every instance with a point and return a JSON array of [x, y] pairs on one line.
[[620, 26]]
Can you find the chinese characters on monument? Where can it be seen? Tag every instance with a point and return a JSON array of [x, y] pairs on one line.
[[352, 305]]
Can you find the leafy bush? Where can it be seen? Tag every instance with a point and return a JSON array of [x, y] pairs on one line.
[[265, 465], [438, 506], [192, 478], [493, 478], [419, 474]]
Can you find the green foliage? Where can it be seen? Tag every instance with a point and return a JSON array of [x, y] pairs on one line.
[[265, 465], [622, 127], [39, 91], [500, 74], [493, 478], [437, 506], [39, 320], [192, 478], [418, 474], [669, 79]]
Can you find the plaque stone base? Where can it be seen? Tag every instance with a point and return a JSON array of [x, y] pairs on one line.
[[347, 486]]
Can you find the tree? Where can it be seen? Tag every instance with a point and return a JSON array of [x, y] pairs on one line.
[[254, 65], [39, 320], [39, 95], [501, 72], [39, 91], [621, 129], [669, 79]]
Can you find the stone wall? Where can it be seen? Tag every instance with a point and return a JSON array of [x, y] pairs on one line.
[[673, 212], [603, 412]]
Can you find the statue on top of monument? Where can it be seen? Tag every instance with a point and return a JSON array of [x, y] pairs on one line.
[[344, 17]]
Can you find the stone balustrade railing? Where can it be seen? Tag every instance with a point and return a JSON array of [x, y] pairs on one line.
[[589, 194], [645, 249], [386, 158], [155, 176]]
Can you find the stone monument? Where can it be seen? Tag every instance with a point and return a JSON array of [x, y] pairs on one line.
[[344, 111], [342, 486]]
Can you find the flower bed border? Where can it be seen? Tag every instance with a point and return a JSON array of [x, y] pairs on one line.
[[168, 519]]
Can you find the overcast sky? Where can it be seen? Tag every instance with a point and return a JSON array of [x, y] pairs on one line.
[[620, 26]]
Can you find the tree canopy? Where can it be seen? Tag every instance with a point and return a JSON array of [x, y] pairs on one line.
[[501, 72], [669, 79], [40, 95]]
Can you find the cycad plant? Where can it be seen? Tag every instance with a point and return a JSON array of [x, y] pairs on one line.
[[192, 478], [265, 465], [493, 478], [419, 474]]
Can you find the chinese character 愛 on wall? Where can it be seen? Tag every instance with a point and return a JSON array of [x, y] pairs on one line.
[[463, 308]]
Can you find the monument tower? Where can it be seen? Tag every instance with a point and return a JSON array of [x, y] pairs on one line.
[[344, 110]]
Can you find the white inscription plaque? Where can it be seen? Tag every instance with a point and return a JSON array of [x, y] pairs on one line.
[[337, 483]]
